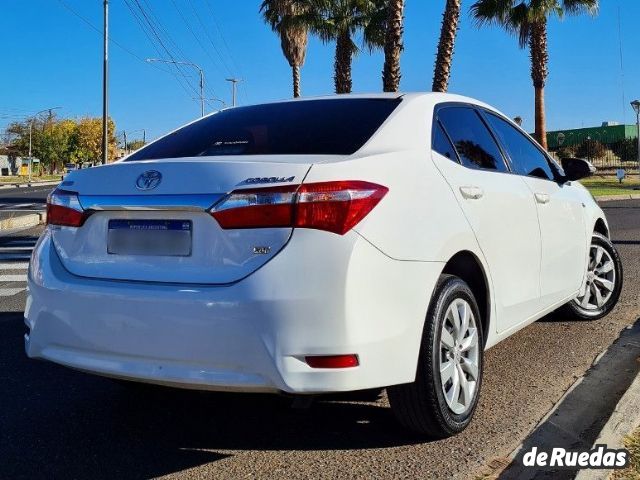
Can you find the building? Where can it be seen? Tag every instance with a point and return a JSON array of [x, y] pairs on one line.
[[607, 134]]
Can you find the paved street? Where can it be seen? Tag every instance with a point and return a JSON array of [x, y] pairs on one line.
[[15, 252], [57, 423], [16, 201]]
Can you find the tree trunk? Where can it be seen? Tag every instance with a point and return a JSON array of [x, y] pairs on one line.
[[444, 57], [539, 73], [342, 65], [393, 47], [296, 80]]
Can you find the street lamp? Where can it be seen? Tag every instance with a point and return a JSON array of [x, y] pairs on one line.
[[197, 67], [636, 108], [31, 119]]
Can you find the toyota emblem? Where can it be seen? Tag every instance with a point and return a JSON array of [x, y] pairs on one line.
[[149, 180]]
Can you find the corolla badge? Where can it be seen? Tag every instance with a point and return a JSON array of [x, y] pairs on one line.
[[149, 180]]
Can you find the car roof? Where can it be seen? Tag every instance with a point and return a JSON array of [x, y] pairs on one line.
[[434, 97]]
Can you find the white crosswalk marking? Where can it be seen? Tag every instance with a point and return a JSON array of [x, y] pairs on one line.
[[14, 266], [13, 278], [14, 262], [9, 292], [23, 205], [12, 207]]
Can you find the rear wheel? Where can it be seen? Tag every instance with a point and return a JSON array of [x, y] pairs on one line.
[[441, 401], [603, 282]]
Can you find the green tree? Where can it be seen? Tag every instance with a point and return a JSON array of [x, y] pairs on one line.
[[393, 46], [135, 145], [341, 21], [87, 140], [528, 20], [446, 44], [55, 144], [280, 15]]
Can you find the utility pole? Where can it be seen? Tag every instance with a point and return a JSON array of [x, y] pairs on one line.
[[636, 108], [234, 82], [105, 80], [201, 92], [190, 64], [126, 150]]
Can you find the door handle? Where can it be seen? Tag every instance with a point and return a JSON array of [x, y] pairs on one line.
[[471, 193], [542, 198]]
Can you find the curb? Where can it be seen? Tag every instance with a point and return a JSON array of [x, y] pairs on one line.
[[32, 184], [578, 420], [610, 198], [23, 221], [623, 421]]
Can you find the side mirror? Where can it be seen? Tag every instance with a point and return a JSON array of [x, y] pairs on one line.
[[576, 168]]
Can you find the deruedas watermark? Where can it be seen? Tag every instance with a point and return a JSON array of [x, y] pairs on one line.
[[600, 457]]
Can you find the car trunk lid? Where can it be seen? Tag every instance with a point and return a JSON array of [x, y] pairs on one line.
[[150, 221]]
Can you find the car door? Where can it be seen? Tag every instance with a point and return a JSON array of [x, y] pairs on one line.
[[498, 206], [560, 213]]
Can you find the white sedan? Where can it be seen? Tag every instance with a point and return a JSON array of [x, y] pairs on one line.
[[321, 245]]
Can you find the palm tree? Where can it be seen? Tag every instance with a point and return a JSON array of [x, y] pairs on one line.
[[528, 20], [444, 57], [393, 46], [341, 21], [293, 36]]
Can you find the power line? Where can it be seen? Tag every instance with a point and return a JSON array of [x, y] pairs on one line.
[[156, 42], [224, 41], [92, 26], [195, 36], [206, 32], [159, 31]]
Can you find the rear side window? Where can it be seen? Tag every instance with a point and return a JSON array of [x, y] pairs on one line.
[[525, 157], [331, 127], [441, 143], [471, 138]]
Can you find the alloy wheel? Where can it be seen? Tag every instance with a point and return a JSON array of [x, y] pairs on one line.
[[601, 279], [459, 356]]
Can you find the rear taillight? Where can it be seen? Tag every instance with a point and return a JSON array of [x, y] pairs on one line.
[[64, 209], [332, 206]]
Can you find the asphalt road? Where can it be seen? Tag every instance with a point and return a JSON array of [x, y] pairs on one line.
[[14, 201], [57, 423]]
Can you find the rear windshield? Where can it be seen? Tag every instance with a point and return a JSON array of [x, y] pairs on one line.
[[329, 127]]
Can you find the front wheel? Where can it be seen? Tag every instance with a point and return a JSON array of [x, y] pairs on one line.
[[603, 282], [442, 399]]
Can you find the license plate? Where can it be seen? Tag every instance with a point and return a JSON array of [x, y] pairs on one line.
[[150, 237]]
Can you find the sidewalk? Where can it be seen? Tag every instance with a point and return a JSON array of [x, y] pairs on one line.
[[31, 184], [599, 408], [22, 220], [624, 420]]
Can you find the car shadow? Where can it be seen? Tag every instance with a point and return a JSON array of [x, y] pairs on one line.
[[55, 422], [21, 200]]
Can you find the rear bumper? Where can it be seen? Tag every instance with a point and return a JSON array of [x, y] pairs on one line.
[[343, 298]]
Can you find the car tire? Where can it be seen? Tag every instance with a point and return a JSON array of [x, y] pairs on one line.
[[431, 406], [604, 282]]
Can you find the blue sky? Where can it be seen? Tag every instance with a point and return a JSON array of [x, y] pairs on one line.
[[52, 58]]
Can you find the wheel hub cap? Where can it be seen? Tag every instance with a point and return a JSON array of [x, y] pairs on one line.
[[600, 279], [459, 356]]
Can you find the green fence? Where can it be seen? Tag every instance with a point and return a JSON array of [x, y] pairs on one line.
[[607, 147]]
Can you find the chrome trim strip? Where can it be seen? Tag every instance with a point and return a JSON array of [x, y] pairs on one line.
[[194, 202]]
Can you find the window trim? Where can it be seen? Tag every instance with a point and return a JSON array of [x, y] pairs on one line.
[[476, 109], [486, 111]]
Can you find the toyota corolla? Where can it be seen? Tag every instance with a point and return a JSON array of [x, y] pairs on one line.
[[321, 245]]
